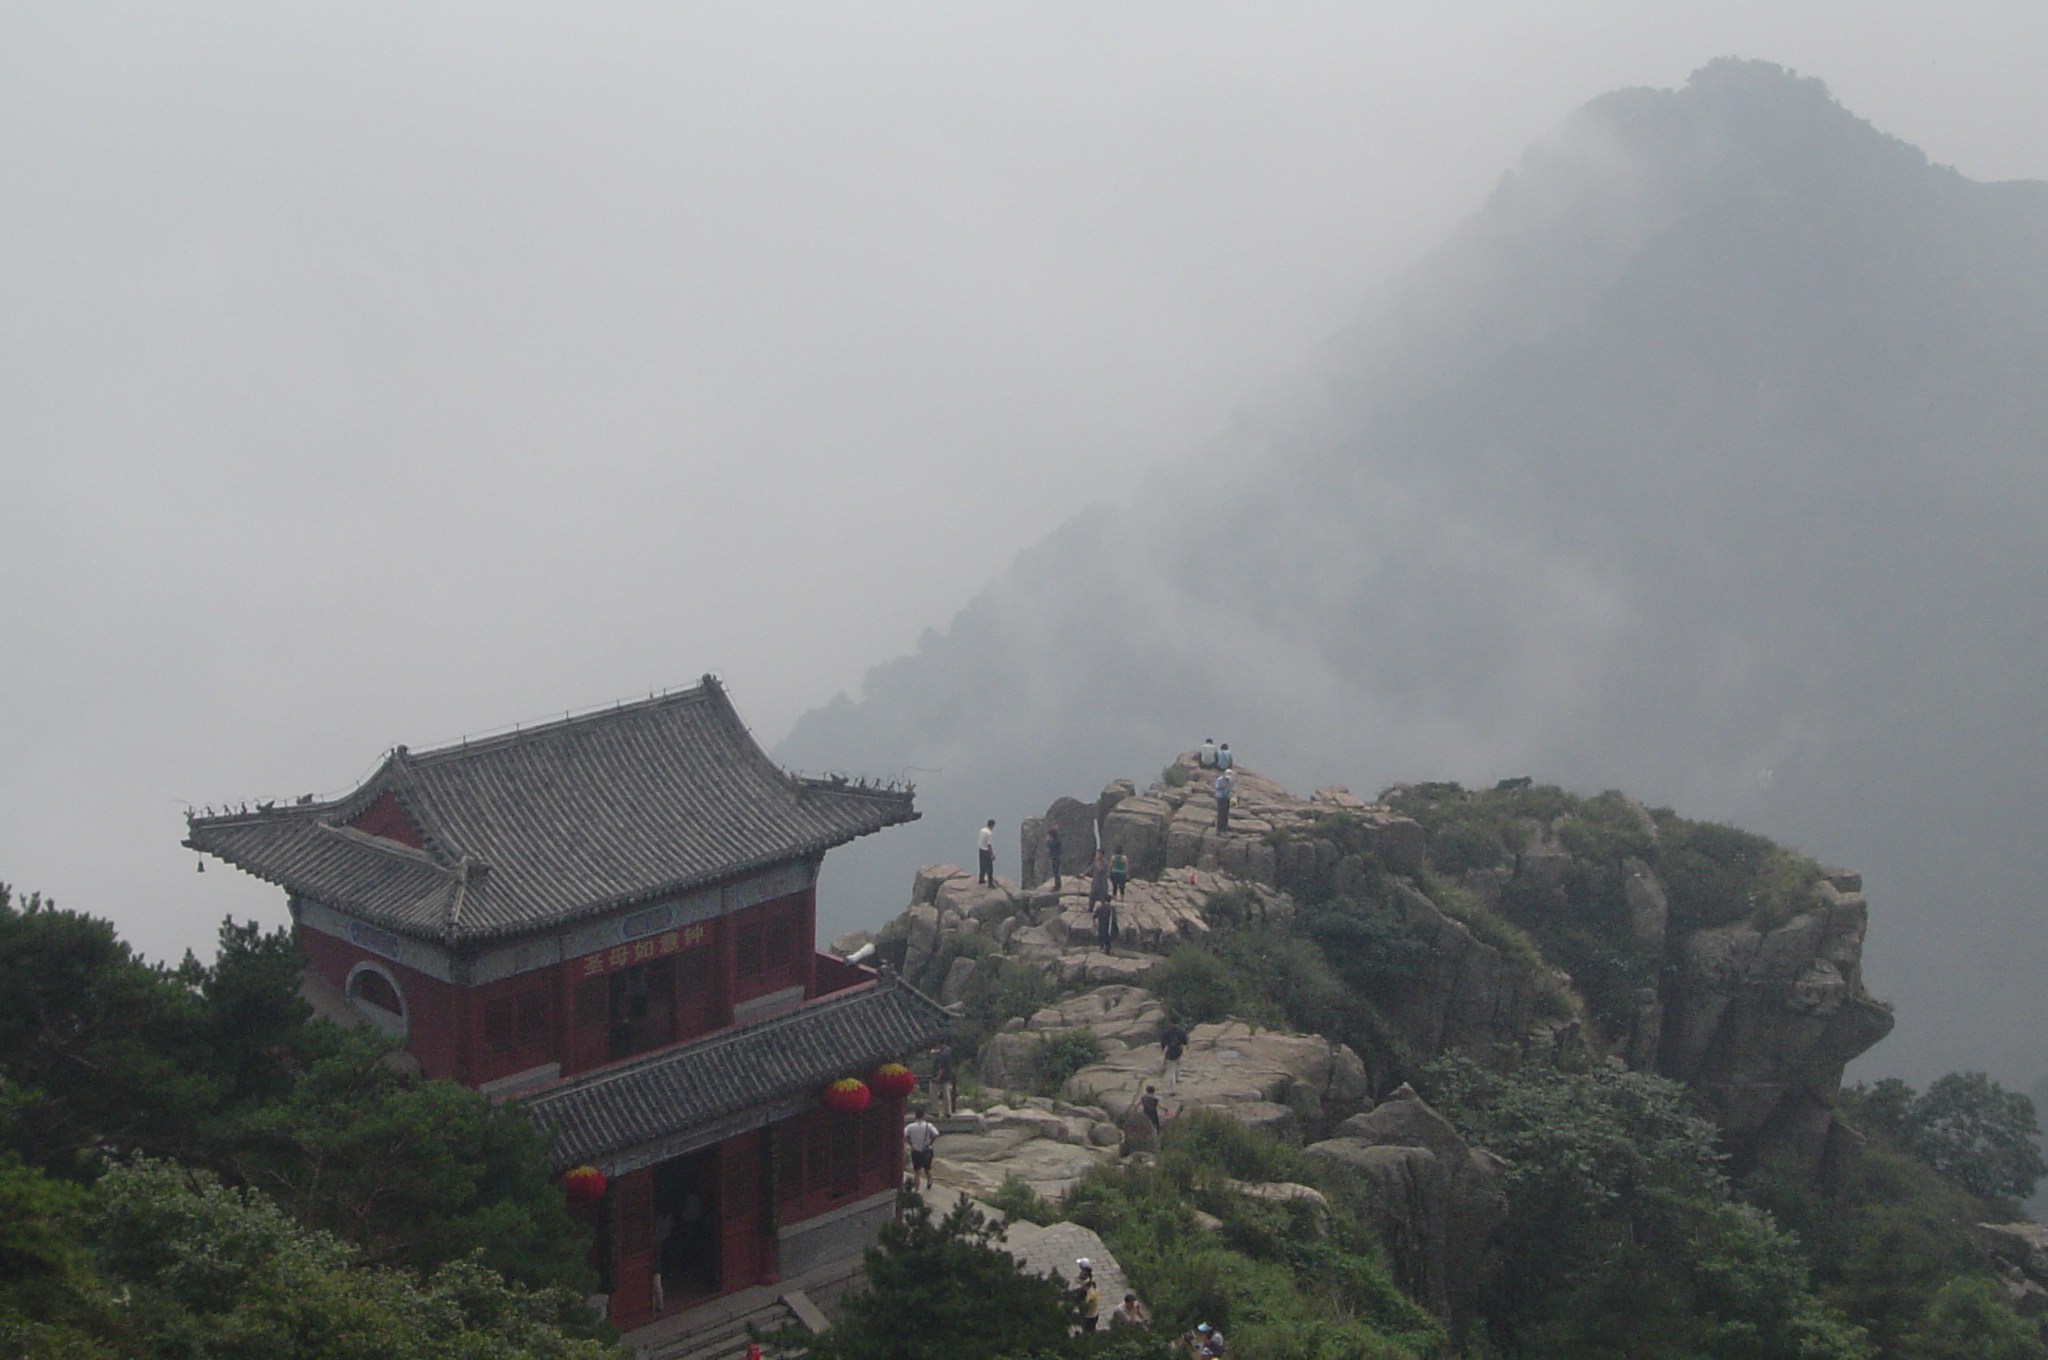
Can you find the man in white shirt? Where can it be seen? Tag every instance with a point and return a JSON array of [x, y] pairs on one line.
[[921, 1134], [988, 854]]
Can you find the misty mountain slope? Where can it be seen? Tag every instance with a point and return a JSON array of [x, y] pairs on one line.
[[1706, 460]]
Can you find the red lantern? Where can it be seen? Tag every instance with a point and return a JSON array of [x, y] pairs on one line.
[[848, 1095], [584, 1184], [893, 1079]]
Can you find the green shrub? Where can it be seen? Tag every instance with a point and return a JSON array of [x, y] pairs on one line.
[[1060, 1055], [1174, 776], [1717, 875], [1232, 906], [1195, 986]]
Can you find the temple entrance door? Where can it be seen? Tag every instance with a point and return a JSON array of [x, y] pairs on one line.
[[642, 1008], [686, 1226]]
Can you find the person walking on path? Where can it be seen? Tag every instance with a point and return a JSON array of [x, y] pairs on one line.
[[1205, 754], [1052, 854], [1091, 1297], [1224, 759], [1149, 1103], [988, 854], [1173, 1041], [921, 1134], [1119, 872], [1225, 785]]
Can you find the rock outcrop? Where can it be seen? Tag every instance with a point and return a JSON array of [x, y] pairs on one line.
[[1756, 1016], [1434, 1200]]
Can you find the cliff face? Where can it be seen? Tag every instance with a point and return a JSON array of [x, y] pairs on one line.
[[1481, 924]]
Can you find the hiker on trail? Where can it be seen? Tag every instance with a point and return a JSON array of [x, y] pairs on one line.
[[988, 854], [1119, 872], [1224, 759], [1091, 1298], [1225, 785], [1052, 854], [1173, 1041], [1130, 1313], [1149, 1103], [1205, 754], [921, 1134]]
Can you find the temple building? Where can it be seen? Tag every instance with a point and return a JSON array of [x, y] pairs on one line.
[[611, 920]]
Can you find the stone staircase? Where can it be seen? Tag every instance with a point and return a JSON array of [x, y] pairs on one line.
[[723, 1328]]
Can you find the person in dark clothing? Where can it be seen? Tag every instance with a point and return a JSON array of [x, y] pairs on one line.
[[1149, 1103], [988, 854], [1105, 924], [1119, 873], [1173, 1041], [1225, 784], [1099, 904], [1052, 854], [944, 1087]]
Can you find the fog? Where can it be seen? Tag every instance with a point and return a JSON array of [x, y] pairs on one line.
[[381, 374]]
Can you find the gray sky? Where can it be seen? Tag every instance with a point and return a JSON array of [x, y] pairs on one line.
[[384, 373]]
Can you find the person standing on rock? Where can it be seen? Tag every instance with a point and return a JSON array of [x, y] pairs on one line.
[[1099, 904], [1149, 1103], [921, 1134], [988, 854], [1119, 873], [944, 1086], [1205, 754], [1052, 854], [1225, 784], [1091, 1297], [1173, 1041]]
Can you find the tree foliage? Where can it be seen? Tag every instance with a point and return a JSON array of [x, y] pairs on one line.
[[939, 1289], [1623, 1239], [1966, 1126]]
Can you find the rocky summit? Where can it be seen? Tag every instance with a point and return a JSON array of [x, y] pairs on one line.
[[1492, 925]]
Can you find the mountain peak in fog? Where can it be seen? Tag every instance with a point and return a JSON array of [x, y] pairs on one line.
[[1705, 460]]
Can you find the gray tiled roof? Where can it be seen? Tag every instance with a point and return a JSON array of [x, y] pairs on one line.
[[637, 1102], [556, 822]]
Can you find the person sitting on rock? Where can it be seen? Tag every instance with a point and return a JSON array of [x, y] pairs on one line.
[[1119, 873], [1130, 1313], [1224, 759], [1205, 754]]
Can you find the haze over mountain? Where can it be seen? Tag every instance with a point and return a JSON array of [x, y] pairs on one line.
[[1706, 460]]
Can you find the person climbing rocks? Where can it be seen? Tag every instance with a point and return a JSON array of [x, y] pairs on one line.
[[921, 1134], [1173, 1041], [1099, 904], [1225, 785], [1119, 873], [1052, 854], [988, 855]]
